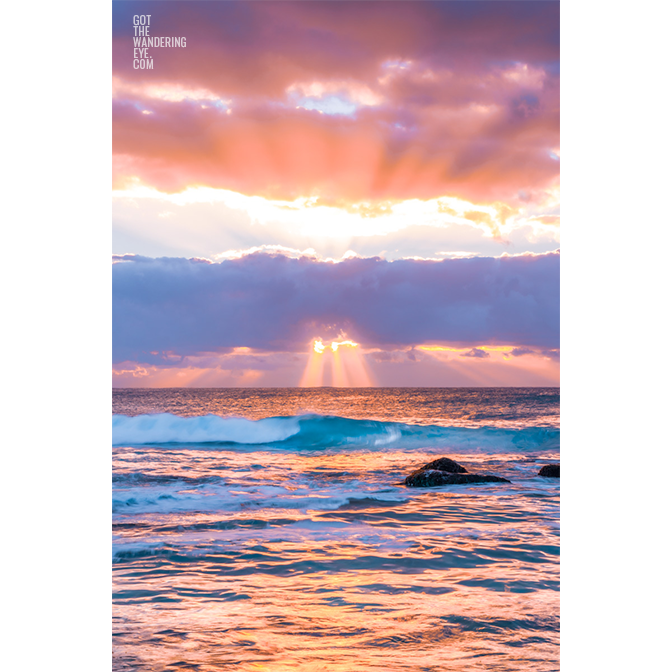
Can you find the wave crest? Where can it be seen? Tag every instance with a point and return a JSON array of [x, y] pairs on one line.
[[320, 432], [168, 428]]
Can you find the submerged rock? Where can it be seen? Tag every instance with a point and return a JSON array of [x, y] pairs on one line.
[[550, 470], [445, 471]]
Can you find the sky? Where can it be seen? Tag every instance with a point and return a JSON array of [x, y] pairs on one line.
[[337, 193]]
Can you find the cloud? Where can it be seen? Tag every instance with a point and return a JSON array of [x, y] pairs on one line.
[[476, 352], [278, 304], [519, 352], [354, 102]]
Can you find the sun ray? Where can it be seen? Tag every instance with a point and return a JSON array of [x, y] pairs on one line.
[[346, 366], [313, 376]]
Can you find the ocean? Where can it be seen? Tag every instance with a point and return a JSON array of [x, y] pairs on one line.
[[270, 529]]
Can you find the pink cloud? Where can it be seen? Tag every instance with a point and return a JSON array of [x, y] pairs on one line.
[[446, 99]]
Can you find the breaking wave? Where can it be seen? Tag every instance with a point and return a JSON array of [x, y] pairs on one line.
[[320, 432]]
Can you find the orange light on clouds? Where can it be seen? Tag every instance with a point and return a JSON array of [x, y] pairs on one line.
[[497, 366], [186, 376], [487, 348], [438, 348]]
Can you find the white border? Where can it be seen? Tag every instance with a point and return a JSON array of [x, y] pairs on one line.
[[56, 335]]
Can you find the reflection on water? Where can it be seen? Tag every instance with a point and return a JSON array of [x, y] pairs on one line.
[[277, 562], [321, 560], [454, 407]]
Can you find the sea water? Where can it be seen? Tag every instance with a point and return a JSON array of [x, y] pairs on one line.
[[269, 529]]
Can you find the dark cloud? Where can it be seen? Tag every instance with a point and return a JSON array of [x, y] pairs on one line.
[[476, 352], [519, 352], [273, 303]]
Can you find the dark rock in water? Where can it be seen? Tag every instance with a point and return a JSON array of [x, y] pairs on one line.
[[550, 470], [428, 478], [445, 471], [446, 464]]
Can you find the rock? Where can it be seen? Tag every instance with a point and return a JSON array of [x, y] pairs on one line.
[[445, 471], [429, 478], [446, 464], [550, 470]]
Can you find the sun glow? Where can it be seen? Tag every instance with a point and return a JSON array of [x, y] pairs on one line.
[[309, 216], [336, 344], [342, 364]]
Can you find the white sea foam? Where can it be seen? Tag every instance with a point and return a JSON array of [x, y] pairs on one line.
[[169, 428]]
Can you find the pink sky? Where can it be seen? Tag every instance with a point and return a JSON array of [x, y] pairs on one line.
[[332, 131]]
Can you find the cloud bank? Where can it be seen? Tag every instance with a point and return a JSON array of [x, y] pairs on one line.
[[168, 308]]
